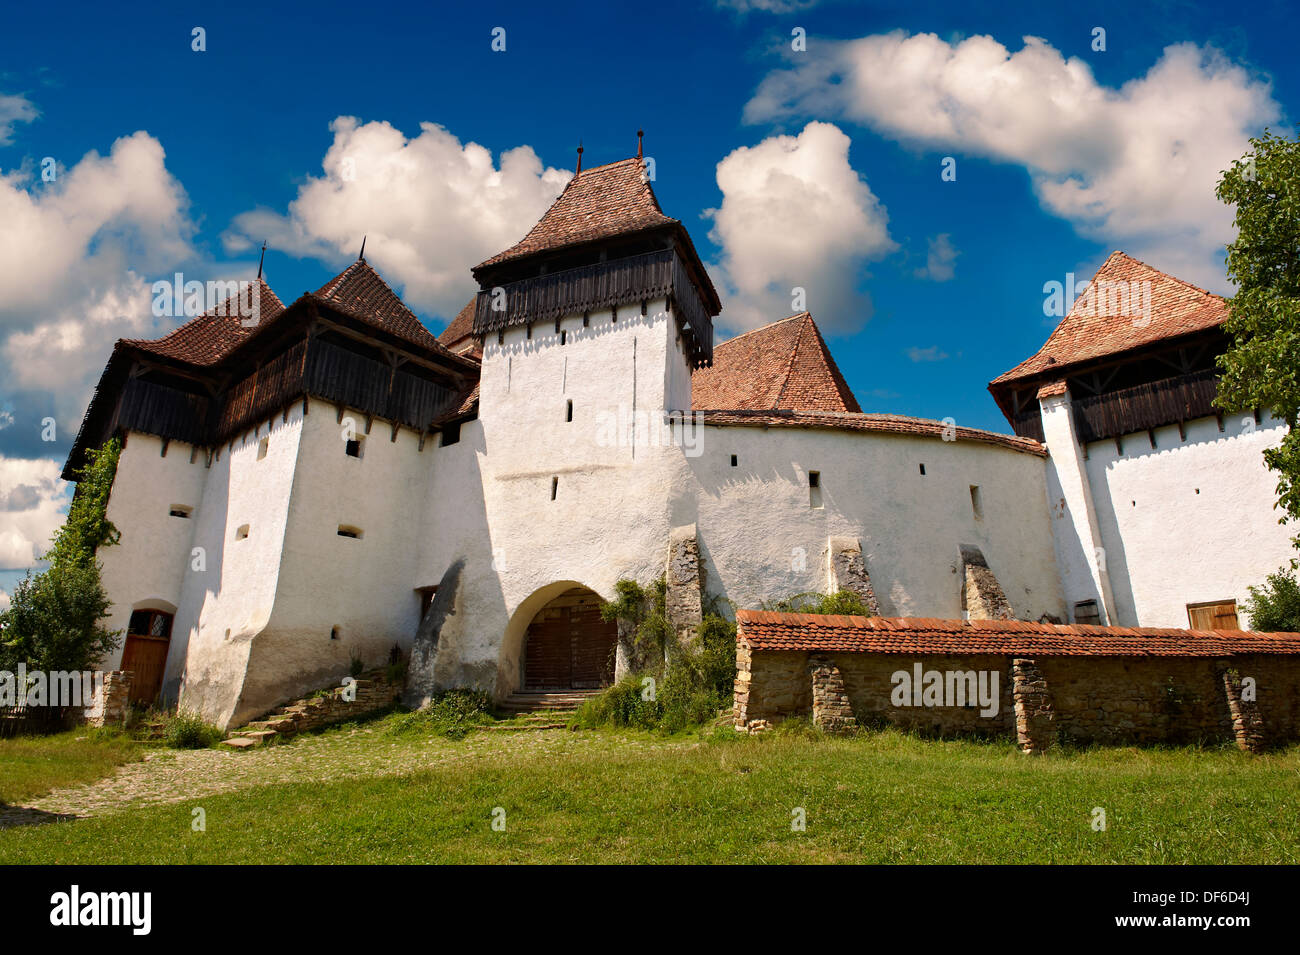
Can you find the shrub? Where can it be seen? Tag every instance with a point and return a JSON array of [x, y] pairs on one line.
[[842, 602], [186, 729], [53, 621], [451, 714], [688, 690], [357, 666], [1275, 606]]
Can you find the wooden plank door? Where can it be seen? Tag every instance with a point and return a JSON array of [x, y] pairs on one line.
[[145, 657], [1214, 616]]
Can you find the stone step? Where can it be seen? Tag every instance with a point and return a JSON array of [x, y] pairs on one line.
[[276, 724], [258, 736], [240, 742], [524, 727]]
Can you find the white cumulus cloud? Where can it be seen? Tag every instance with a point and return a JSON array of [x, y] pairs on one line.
[[14, 109], [431, 207], [74, 256], [1133, 166], [795, 215], [25, 530]]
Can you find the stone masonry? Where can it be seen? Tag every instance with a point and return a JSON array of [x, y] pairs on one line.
[[849, 571], [111, 703], [1247, 724], [684, 599], [984, 597], [1035, 718], [830, 700]]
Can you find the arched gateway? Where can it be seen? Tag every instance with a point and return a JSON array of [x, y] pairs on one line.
[[568, 646]]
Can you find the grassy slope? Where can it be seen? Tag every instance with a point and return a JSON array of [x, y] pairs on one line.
[[884, 798], [33, 765]]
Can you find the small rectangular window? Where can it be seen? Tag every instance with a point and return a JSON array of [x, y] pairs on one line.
[[976, 504], [568, 410], [564, 337], [1085, 612], [347, 530], [734, 461], [814, 489], [180, 510], [814, 478], [262, 447], [922, 470], [450, 434], [555, 487], [353, 448], [241, 532]]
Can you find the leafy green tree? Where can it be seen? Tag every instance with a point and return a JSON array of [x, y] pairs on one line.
[[1261, 368], [1276, 605], [54, 621]]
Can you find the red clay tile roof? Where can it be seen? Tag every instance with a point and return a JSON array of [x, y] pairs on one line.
[[784, 365], [458, 336], [358, 289], [598, 203], [847, 421], [208, 338], [765, 630], [1052, 388], [1177, 308]]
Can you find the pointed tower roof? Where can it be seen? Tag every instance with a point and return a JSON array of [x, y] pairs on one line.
[[785, 365], [1089, 332], [359, 290], [598, 203], [458, 336], [208, 338]]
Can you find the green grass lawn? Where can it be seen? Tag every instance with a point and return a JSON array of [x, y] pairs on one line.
[[33, 765], [883, 797]]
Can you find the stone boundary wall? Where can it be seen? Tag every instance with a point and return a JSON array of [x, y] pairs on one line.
[[1250, 699], [110, 704]]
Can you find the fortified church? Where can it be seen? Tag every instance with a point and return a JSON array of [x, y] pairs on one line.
[[328, 480]]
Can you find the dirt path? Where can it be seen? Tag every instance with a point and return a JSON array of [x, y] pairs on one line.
[[169, 776]]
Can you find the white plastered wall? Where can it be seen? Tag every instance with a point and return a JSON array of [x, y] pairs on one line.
[[1189, 521]]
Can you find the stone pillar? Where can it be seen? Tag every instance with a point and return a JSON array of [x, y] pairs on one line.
[[111, 702], [744, 676], [1035, 717], [848, 571], [684, 599], [830, 700], [984, 597], [1247, 724]]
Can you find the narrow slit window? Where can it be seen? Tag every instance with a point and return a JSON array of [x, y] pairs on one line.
[[568, 410], [922, 470], [976, 502], [814, 489], [555, 487], [734, 461], [263, 446], [564, 337]]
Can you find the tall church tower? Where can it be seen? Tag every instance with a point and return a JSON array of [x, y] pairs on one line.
[[590, 327]]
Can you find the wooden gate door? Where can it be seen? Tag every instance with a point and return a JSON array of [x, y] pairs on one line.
[[147, 638], [569, 646]]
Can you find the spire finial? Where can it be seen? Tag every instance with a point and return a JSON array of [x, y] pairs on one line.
[[261, 260], [579, 158], [361, 257], [639, 134]]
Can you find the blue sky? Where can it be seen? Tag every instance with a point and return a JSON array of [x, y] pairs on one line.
[[926, 289]]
